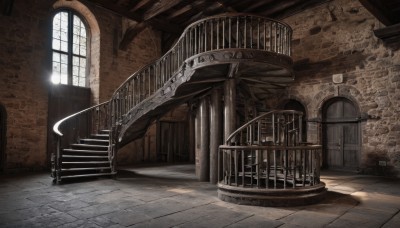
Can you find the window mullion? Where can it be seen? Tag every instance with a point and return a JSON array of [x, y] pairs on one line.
[[70, 42]]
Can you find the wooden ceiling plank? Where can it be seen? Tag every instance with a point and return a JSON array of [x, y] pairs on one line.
[[159, 7]]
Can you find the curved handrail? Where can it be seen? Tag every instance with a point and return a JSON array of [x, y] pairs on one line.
[[221, 32], [244, 126], [226, 31], [60, 122]]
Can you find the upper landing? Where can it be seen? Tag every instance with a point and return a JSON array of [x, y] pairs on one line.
[[253, 49]]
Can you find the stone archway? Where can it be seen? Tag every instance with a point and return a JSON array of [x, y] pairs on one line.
[[341, 134]]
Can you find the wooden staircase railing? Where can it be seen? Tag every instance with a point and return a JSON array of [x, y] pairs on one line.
[[222, 32], [267, 152]]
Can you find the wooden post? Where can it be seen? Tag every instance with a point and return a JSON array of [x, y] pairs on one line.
[[204, 152], [192, 143], [215, 133], [229, 107]]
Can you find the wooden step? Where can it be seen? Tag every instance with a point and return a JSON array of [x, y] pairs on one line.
[[89, 175], [89, 147], [82, 152], [84, 157], [84, 169], [100, 136], [95, 142], [85, 162], [104, 132]]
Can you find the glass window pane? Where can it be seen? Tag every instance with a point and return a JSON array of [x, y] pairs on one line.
[[82, 62], [64, 58], [75, 39], [64, 69], [56, 44], [75, 49], [75, 70], [82, 72], [83, 50], [75, 61], [82, 81], [56, 67], [64, 79], [83, 41], [64, 36], [56, 34], [64, 46], [55, 78], [56, 57], [75, 81], [83, 32]]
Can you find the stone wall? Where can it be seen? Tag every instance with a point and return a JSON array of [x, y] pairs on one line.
[[25, 64], [337, 38]]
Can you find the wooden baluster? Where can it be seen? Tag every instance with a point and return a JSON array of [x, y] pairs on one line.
[[251, 32], [237, 32], [258, 34], [230, 32], [223, 32], [245, 32]]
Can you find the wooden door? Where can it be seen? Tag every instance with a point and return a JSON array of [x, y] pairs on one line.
[[64, 100], [173, 142], [341, 135]]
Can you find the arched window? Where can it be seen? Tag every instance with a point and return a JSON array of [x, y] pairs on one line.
[[69, 45]]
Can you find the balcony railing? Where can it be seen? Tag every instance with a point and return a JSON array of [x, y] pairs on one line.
[[267, 153]]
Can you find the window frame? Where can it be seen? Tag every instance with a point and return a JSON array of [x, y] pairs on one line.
[[70, 54]]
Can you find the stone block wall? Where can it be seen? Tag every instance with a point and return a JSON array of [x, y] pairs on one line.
[[337, 38], [25, 64]]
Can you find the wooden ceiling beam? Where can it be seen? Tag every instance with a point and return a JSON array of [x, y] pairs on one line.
[[139, 5], [159, 7], [117, 10], [279, 6], [380, 11], [185, 9], [256, 5]]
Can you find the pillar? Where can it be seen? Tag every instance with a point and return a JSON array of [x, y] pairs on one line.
[[229, 107], [202, 141], [215, 133]]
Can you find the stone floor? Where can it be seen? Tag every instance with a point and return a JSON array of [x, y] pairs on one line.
[[170, 196]]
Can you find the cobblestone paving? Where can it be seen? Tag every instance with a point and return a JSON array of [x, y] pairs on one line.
[[170, 196]]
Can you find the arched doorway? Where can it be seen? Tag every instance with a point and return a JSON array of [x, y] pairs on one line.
[[3, 138], [296, 105], [341, 134]]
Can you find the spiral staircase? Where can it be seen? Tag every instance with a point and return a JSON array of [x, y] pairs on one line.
[[253, 49]]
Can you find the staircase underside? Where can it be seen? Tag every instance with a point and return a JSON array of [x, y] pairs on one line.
[[259, 73]]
